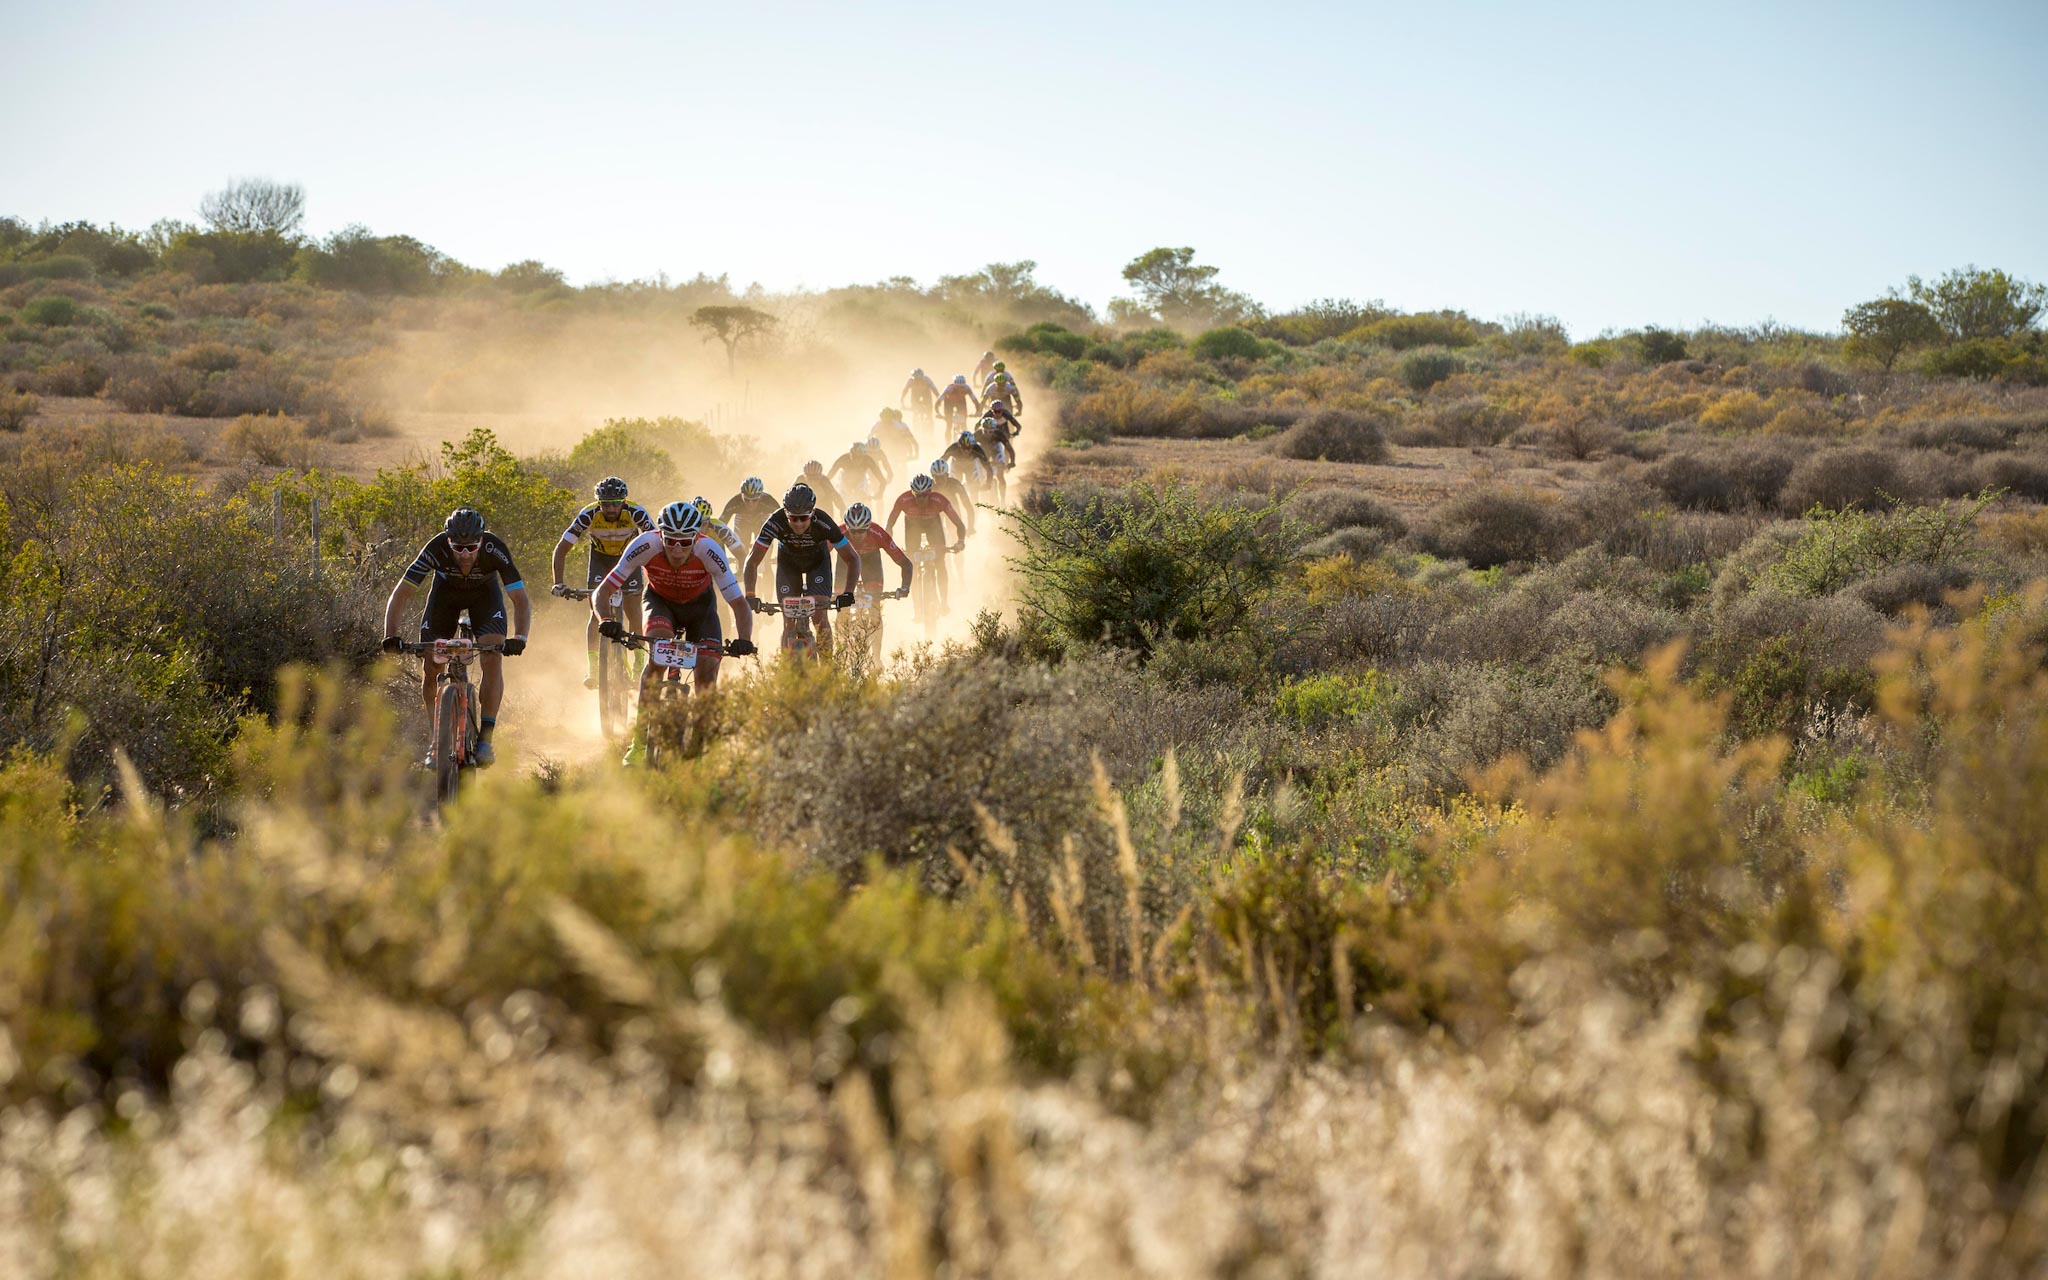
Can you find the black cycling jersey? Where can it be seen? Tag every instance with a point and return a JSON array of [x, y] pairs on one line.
[[746, 515], [493, 564], [814, 542], [961, 457]]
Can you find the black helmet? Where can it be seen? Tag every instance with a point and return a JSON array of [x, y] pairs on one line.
[[799, 499], [464, 524], [611, 489], [966, 437]]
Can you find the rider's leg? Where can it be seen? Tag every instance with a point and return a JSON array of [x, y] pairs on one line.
[[590, 651], [821, 624], [490, 693], [629, 617]]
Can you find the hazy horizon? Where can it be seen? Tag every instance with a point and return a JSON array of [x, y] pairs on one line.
[[1612, 167]]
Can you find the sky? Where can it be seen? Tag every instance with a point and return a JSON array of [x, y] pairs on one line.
[[1611, 165]]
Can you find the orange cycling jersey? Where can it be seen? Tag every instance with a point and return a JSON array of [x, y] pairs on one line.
[[929, 505]]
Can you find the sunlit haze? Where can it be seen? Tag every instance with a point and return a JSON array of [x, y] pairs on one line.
[[1612, 165]]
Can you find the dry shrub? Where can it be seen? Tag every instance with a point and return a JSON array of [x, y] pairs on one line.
[[270, 439], [16, 408], [1930, 474], [1334, 508], [1735, 475], [75, 376], [1464, 717], [1360, 542], [1852, 477], [1486, 525], [1335, 435], [145, 384], [1469, 421], [2024, 475]]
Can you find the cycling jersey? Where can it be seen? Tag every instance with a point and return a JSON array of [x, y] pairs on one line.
[[858, 469], [608, 536], [956, 493], [962, 458], [812, 543], [827, 495], [745, 514], [705, 566], [1000, 409], [722, 531], [919, 391], [896, 436], [871, 544], [929, 505], [493, 564], [957, 395]]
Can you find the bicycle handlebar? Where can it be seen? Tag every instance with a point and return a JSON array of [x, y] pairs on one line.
[[490, 644]]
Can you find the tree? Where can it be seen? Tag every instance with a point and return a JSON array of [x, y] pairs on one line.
[[1969, 303], [1185, 295], [256, 204], [1882, 329], [732, 326]]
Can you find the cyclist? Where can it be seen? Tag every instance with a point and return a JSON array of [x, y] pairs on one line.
[[969, 462], [804, 565], [1002, 387], [681, 567], [893, 431], [954, 401], [877, 455], [988, 363], [871, 542], [610, 523], [822, 489], [857, 469], [993, 433], [727, 536], [745, 510], [473, 570], [953, 491], [919, 393], [922, 512]]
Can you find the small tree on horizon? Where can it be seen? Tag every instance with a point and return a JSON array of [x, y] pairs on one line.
[[732, 326], [256, 204], [1883, 328]]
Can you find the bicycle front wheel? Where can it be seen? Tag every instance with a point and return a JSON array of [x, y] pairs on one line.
[[451, 739], [611, 691]]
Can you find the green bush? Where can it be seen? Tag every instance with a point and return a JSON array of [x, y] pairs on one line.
[[61, 267], [1421, 370], [352, 258], [1486, 526], [2005, 359], [51, 311], [231, 257], [156, 311], [1135, 567], [1844, 546], [16, 408], [1227, 343], [1660, 346], [1047, 338], [1315, 702]]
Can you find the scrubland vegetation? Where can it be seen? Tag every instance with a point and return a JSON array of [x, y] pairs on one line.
[[1626, 856]]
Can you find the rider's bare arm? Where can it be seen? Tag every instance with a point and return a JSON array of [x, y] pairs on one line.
[[561, 559], [522, 609], [396, 607], [753, 567]]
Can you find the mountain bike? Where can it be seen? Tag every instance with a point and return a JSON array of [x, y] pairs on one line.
[[796, 613], [924, 586], [864, 627], [666, 720], [455, 716], [615, 679]]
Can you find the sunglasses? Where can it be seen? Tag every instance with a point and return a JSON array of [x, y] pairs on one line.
[[465, 548], [679, 539], [794, 518]]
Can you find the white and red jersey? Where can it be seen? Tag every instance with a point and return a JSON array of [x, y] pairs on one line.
[[705, 566]]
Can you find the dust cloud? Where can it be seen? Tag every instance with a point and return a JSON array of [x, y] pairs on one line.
[[543, 381]]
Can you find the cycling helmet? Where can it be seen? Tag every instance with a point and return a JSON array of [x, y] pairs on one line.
[[988, 355], [703, 505], [752, 487], [680, 518], [999, 366], [464, 524], [611, 489], [966, 437], [799, 499], [859, 446], [858, 516], [942, 468], [813, 467], [960, 379], [875, 443], [919, 483], [917, 373]]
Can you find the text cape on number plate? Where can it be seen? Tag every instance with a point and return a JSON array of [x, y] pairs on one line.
[[796, 606], [681, 654]]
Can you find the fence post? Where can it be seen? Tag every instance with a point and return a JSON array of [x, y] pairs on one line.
[[314, 520]]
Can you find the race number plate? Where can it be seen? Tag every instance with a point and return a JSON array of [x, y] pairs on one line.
[[796, 606], [680, 654]]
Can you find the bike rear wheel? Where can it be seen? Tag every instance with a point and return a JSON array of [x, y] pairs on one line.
[[611, 691], [451, 740]]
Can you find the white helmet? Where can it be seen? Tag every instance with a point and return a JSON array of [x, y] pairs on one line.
[[942, 468], [858, 516], [678, 518], [919, 483]]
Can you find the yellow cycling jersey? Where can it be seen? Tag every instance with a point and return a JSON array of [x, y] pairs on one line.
[[608, 537]]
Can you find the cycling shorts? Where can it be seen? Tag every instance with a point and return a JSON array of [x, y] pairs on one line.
[[602, 564], [803, 577], [445, 603], [696, 619]]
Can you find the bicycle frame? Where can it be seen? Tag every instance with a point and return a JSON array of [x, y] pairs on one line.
[[455, 712]]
